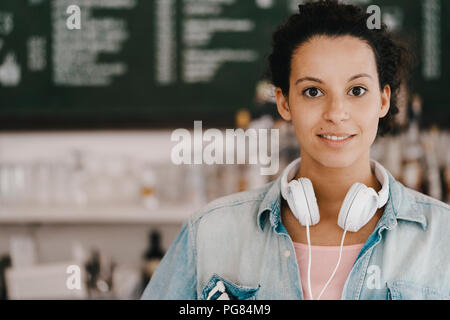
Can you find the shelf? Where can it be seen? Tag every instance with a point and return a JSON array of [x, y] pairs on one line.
[[120, 214]]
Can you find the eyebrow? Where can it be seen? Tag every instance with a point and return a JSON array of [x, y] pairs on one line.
[[360, 75]]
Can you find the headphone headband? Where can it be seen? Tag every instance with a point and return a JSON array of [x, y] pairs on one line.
[[379, 171], [382, 176], [289, 174]]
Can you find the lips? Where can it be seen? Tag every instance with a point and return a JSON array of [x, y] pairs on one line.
[[336, 134], [336, 139]]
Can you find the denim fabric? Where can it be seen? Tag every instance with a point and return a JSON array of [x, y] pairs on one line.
[[241, 241]]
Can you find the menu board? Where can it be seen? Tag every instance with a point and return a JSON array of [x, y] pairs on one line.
[[146, 63]]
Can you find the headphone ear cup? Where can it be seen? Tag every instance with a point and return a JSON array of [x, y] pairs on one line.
[[302, 201], [359, 206], [311, 201]]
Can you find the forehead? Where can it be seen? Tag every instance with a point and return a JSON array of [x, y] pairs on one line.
[[341, 56]]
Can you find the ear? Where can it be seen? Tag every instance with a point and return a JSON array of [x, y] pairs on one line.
[[385, 101], [283, 105]]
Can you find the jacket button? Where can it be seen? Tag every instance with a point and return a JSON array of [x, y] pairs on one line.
[[287, 253]]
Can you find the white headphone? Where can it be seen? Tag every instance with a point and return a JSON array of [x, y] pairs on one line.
[[359, 206]]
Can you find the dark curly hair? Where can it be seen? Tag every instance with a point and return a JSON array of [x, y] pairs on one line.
[[330, 18]]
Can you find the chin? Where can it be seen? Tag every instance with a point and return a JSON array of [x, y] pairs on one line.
[[337, 160]]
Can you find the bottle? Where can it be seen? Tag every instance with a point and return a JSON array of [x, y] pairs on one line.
[[78, 179], [148, 188], [254, 177], [92, 267], [433, 177], [100, 273], [152, 257], [243, 119], [5, 263], [413, 164]]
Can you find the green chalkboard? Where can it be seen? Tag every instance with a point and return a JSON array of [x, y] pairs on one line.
[[147, 63]]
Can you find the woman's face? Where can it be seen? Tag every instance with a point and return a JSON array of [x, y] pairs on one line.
[[334, 91]]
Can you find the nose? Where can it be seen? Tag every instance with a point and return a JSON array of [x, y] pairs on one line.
[[336, 110]]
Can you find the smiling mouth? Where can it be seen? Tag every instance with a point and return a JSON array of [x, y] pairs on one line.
[[338, 141], [340, 137]]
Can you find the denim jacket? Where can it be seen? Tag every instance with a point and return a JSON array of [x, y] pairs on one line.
[[240, 240]]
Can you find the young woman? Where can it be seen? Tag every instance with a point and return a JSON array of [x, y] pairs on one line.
[[335, 224]]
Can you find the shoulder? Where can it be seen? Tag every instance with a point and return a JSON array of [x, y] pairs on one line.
[[434, 214], [429, 204], [423, 249], [234, 207]]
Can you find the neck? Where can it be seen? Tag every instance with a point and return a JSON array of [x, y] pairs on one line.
[[332, 184]]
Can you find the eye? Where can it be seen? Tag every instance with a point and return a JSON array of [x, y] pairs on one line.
[[312, 92], [357, 91]]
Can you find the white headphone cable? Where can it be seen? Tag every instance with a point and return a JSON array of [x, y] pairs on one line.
[[309, 262], [337, 265]]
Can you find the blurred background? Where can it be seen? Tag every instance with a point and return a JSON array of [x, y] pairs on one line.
[[86, 117]]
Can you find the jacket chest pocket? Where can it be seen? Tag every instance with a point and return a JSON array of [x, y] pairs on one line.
[[219, 288], [405, 290]]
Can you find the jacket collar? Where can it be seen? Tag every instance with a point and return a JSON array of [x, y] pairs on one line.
[[401, 205]]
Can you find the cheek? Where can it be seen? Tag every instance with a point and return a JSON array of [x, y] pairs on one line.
[[304, 118], [305, 124], [304, 114], [368, 124]]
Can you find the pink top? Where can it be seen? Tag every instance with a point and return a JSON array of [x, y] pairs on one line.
[[323, 262]]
